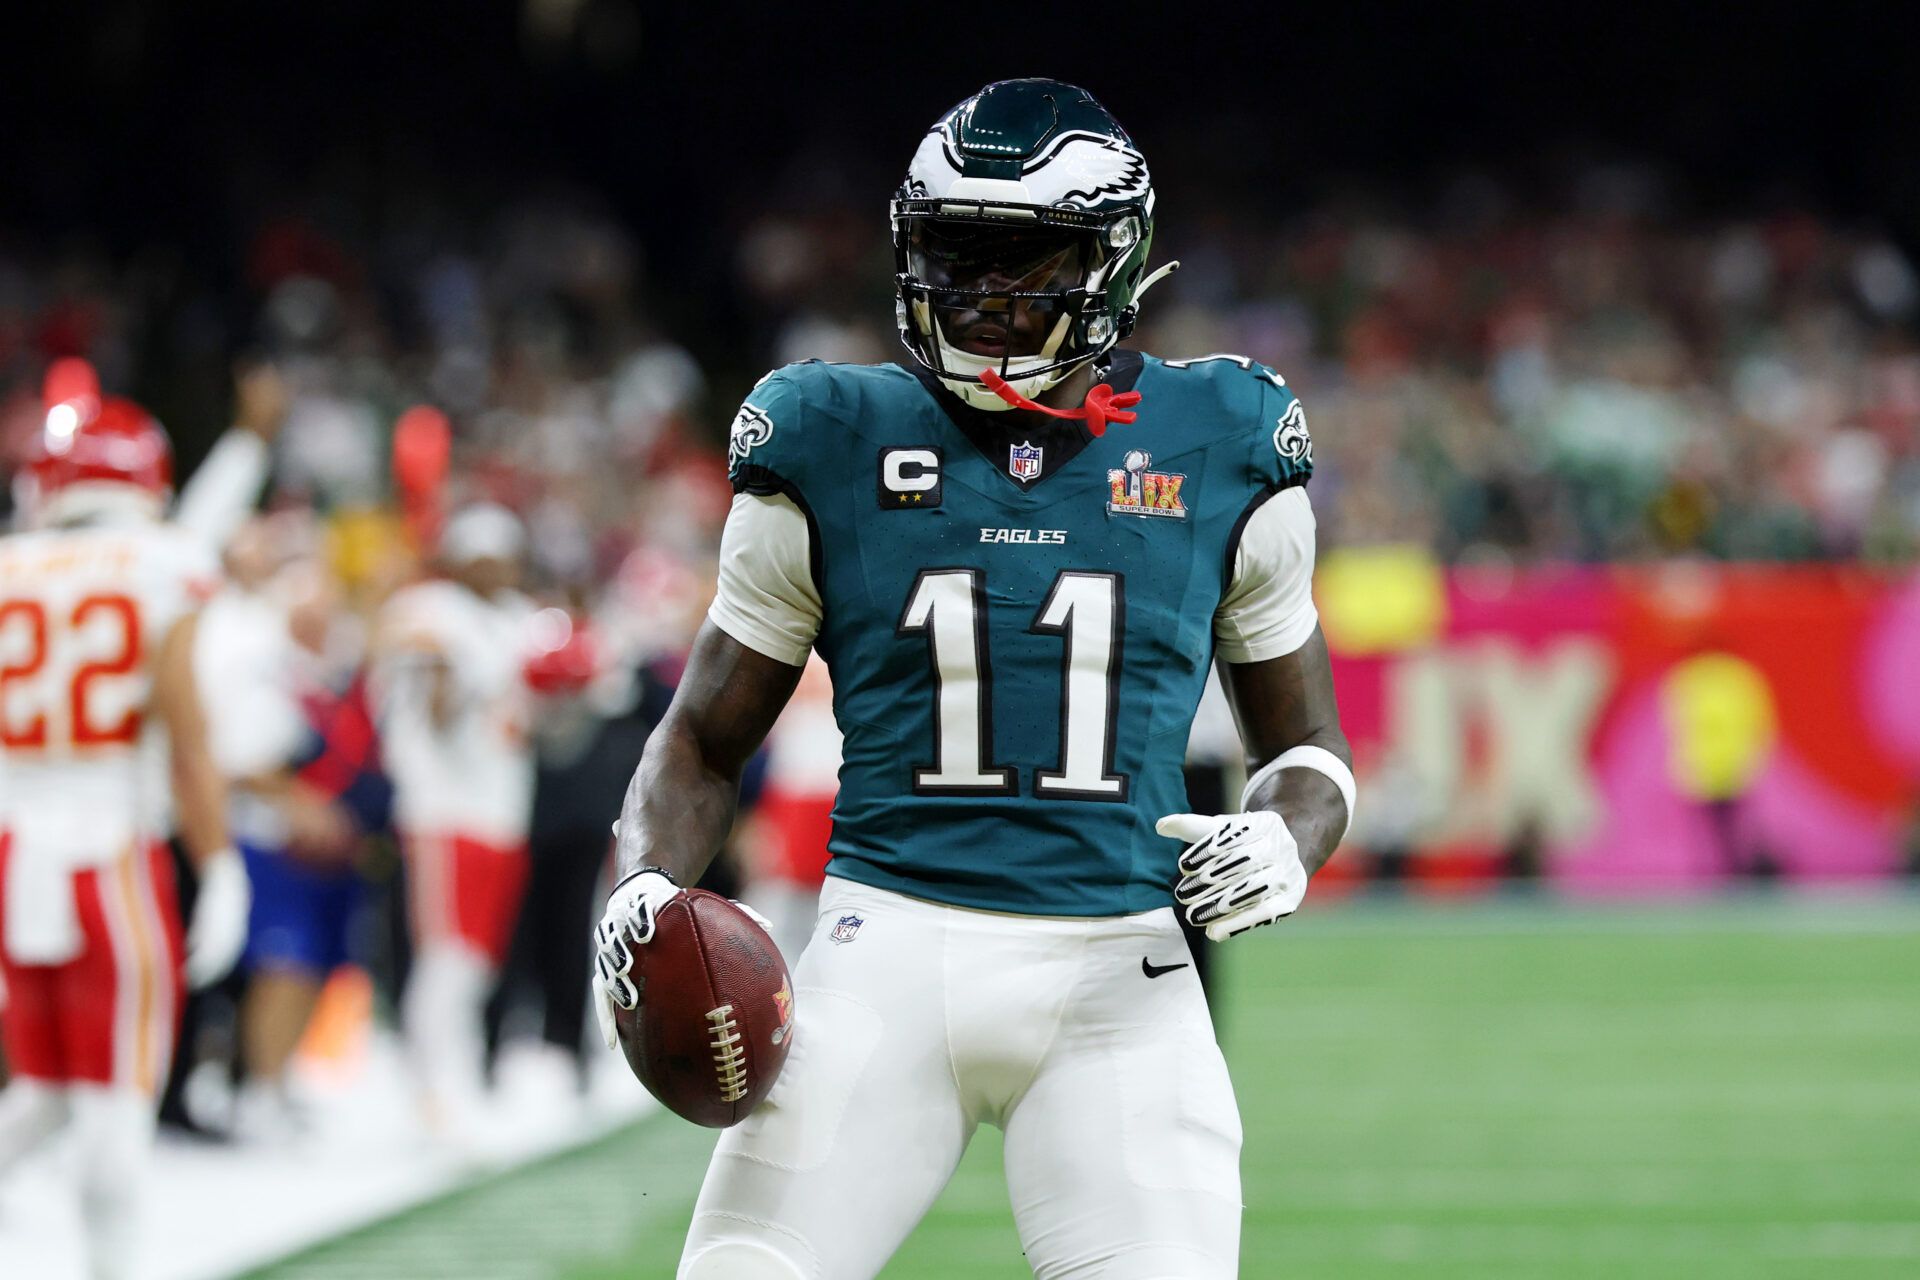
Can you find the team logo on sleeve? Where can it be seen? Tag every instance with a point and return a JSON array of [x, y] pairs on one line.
[[845, 928], [1291, 439], [751, 428], [1023, 460], [1133, 490]]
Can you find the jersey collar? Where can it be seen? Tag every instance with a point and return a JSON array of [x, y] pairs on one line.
[[995, 434]]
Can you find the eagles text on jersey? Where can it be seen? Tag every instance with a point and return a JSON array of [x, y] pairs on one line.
[[1018, 632]]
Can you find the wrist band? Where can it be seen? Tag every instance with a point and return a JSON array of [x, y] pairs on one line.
[[643, 871], [1321, 761]]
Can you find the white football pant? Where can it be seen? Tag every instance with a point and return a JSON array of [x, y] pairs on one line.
[[113, 1131], [443, 1019], [1122, 1137]]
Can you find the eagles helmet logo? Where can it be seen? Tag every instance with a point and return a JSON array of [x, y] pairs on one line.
[[1077, 170], [751, 427], [1101, 169], [1291, 438]]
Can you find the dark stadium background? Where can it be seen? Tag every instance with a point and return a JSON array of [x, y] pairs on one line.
[[143, 124]]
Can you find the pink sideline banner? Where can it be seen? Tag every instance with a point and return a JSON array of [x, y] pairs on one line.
[[1632, 728]]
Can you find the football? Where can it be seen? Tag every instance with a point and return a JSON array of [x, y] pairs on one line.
[[715, 1018]]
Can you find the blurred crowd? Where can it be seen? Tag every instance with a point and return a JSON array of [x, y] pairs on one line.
[[1583, 370], [1595, 375], [1586, 370], [1610, 380]]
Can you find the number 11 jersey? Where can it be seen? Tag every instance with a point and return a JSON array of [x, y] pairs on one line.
[[1018, 624]]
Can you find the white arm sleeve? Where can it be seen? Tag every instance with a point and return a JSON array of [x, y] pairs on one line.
[[767, 598], [1268, 610], [254, 721], [219, 496]]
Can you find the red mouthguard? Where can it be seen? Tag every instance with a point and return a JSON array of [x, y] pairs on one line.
[[1102, 405]]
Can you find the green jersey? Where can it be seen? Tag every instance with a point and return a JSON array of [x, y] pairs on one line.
[[1018, 620]]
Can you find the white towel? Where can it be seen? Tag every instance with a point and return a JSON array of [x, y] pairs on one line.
[[43, 921]]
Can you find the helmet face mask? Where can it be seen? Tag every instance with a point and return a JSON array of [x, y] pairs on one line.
[[1020, 239], [999, 290]]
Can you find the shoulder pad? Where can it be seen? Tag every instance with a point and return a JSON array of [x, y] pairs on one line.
[[776, 407], [1224, 361], [800, 420], [766, 446], [1285, 449], [1280, 448]]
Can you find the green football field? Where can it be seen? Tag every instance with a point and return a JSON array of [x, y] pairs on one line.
[[1494, 1090]]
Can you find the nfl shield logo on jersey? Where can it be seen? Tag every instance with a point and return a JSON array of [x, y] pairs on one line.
[[845, 928], [1024, 461]]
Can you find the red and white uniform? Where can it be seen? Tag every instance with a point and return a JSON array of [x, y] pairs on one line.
[[803, 778], [90, 937], [795, 813], [463, 793]]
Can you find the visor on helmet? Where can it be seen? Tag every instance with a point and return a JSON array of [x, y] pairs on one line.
[[995, 257]]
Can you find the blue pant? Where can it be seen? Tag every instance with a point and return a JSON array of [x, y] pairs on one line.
[[302, 914]]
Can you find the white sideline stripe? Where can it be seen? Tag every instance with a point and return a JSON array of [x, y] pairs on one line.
[[215, 1212], [581, 1207], [339, 1201]]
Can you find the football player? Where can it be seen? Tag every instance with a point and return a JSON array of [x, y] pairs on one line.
[[454, 707], [261, 676], [1019, 555], [102, 748]]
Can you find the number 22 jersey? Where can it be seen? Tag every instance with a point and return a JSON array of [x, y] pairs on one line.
[[83, 614], [1018, 623]]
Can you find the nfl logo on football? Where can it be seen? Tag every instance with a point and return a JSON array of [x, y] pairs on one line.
[[1024, 461], [845, 928]]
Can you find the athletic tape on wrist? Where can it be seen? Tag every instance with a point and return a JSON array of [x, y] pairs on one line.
[[1321, 761]]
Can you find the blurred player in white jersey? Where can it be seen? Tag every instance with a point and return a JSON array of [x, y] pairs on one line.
[[102, 750], [454, 716], [262, 687]]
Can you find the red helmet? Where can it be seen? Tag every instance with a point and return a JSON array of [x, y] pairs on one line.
[[563, 656], [90, 441]]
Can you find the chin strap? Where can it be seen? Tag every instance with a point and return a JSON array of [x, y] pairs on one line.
[[1153, 280], [1102, 405]]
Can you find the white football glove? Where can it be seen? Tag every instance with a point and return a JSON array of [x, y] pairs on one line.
[[625, 924], [1239, 870], [766, 925], [218, 932]]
